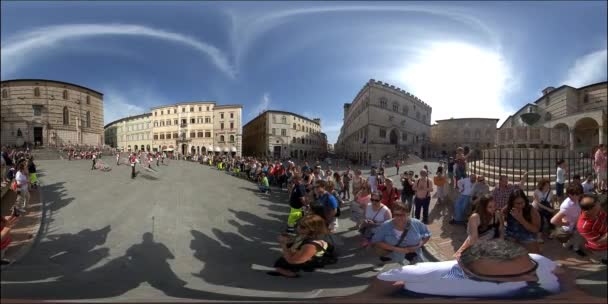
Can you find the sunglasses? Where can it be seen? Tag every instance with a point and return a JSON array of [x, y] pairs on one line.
[[398, 214], [375, 200], [587, 207]]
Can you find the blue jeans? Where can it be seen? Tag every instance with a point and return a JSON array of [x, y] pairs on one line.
[[264, 188], [407, 199], [422, 204], [461, 207]]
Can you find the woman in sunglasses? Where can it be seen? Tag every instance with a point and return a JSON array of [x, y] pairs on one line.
[[374, 214]]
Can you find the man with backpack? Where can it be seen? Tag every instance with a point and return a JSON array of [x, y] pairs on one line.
[[325, 205]]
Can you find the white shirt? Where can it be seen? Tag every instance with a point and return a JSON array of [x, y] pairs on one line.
[[371, 215], [434, 278], [587, 187], [373, 183], [465, 186], [571, 211], [560, 176], [21, 181]]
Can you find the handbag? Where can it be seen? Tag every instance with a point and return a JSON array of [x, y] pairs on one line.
[[383, 252], [365, 225]]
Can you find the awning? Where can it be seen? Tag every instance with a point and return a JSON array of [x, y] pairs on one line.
[[171, 146], [218, 149], [226, 149], [168, 150], [210, 148], [233, 149]]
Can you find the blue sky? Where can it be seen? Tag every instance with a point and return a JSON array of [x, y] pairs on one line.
[[465, 59]]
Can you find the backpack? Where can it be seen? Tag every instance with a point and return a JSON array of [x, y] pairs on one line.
[[329, 256]]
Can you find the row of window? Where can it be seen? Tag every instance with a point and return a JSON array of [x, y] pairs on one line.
[[66, 117], [305, 141], [306, 129], [138, 127], [37, 94], [200, 109], [138, 137], [162, 123], [195, 134]]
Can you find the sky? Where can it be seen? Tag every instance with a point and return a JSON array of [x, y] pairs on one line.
[[464, 59]]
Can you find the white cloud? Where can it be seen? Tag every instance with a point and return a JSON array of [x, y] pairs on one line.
[[248, 28], [21, 49], [458, 80], [134, 101], [588, 69], [261, 106]]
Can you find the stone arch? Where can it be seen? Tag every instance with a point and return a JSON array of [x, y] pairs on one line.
[[586, 134]]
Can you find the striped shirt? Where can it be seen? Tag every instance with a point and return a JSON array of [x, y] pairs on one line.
[[592, 229]]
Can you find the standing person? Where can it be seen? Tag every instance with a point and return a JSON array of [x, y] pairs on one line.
[[600, 164], [31, 169], [465, 187], [543, 203], [346, 178], [407, 192], [485, 223], [400, 238], [374, 214], [358, 181], [117, 158], [133, 160], [423, 189], [23, 191], [6, 225], [373, 180], [94, 158], [338, 184], [397, 165], [390, 194], [326, 204], [297, 199], [523, 221], [592, 227], [560, 179], [451, 172], [362, 198], [440, 182], [567, 217]]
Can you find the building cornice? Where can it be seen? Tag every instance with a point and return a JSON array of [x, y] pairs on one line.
[[52, 81]]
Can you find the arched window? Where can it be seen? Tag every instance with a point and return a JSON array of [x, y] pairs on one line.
[[383, 102], [547, 116], [232, 138], [37, 92], [65, 94], [19, 134], [88, 99], [66, 116], [395, 107], [221, 138], [88, 119], [5, 93], [284, 119], [293, 140]]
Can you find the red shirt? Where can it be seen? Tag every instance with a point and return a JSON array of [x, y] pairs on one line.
[[388, 199], [7, 239], [592, 230]]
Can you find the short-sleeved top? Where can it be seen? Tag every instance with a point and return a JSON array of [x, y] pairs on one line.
[[572, 211], [385, 233], [448, 279], [560, 176], [592, 229], [542, 196], [22, 180], [465, 186], [373, 183], [265, 181], [375, 216], [297, 193], [587, 187]]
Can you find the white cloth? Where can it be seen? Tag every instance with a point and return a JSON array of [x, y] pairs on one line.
[[465, 186], [587, 187], [373, 183], [426, 277], [560, 176], [22, 180], [370, 213], [571, 211]]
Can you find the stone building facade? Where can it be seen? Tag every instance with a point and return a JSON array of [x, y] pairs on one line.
[[197, 128], [133, 133], [384, 121], [476, 133], [48, 112], [578, 117], [280, 134]]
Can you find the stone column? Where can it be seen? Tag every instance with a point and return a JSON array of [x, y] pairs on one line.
[[602, 134], [571, 139]]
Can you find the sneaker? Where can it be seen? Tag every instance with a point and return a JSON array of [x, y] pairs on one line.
[[6, 262], [580, 253]]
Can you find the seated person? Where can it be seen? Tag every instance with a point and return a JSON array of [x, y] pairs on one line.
[[264, 184], [496, 268], [400, 238], [592, 226], [305, 251], [374, 214], [485, 223]]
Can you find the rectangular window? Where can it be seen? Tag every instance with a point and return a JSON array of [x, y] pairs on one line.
[[294, 125], [207, 119], [155, 136], [192, 120], [175, 122], [222, 126], [207, 108], [221, 115], [162, 136], [161, 112], [37, 110], [184, 122], [207, 134], [155, 113], [274, 131], [175, 135], [200, 109], [200, 134], [231, 125], [382, 133], [192, 135], [231, 115], [283, 132]]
